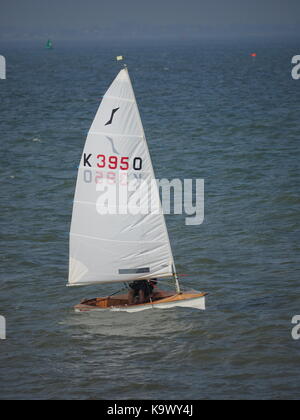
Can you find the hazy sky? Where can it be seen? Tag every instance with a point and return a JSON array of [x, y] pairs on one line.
[[101, 16]]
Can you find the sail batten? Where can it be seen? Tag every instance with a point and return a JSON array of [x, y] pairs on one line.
[[105, 133], [112, 247], [119, 98], [115, 240]]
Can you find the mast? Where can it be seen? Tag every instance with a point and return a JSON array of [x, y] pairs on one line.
[[177, 285]]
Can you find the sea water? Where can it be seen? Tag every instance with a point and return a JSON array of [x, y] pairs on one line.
[[210, 111]]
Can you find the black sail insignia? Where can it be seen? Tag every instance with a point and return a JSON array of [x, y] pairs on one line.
[[112, 116]]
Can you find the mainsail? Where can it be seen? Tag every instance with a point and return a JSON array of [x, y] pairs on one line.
[[108, 246]]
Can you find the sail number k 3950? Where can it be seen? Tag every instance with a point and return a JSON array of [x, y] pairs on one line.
[[114, 162]]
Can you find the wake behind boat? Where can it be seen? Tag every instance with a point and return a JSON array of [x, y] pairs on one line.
[[109, 246]]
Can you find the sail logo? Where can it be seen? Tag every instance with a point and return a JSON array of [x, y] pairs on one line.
[[296, 329], [296, 69], [112, 116], [2, 328], [2, 67]]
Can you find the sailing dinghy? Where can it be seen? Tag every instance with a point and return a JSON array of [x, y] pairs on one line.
[[109, 246]]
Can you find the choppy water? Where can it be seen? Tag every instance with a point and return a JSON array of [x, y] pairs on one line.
[[209, 111]]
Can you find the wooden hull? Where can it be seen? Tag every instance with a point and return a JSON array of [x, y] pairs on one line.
[[119, 303]]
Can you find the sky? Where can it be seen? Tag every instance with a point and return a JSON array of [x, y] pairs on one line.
[[71, 19]]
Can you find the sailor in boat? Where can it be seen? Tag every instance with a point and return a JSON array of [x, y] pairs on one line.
[[141, 291]]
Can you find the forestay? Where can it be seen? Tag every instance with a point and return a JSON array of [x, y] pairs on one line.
[[105, 244]]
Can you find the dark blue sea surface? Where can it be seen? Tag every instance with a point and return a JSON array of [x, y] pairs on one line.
[[210, 111]]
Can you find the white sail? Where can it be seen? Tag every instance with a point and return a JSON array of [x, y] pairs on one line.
[[116, 247]]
